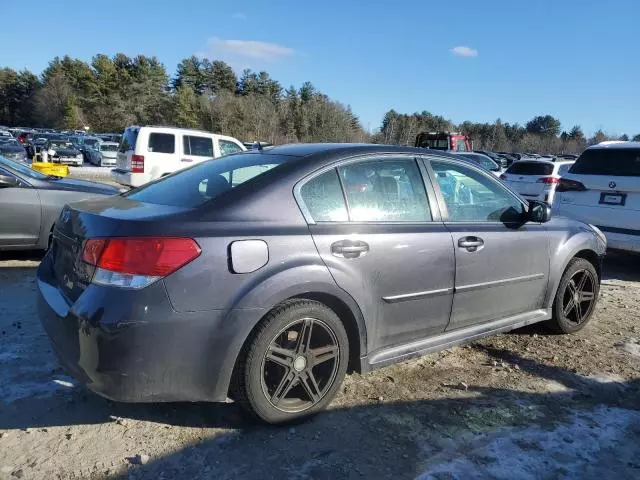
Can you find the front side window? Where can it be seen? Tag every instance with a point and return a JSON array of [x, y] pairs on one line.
[[227, 147], [162, 143], [382, 190], [471, 196], [323, 198], [198, 146]]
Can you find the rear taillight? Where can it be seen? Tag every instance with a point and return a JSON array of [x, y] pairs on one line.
[[137, 262], [566, 185], [137, 163], [549, 180]]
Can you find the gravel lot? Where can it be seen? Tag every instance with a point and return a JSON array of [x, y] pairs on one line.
[[520, 405]]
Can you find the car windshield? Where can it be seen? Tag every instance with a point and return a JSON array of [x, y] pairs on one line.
[[60, 144], [196, 185], [20, 168], [530, 168], [109, 148], [622, 162]]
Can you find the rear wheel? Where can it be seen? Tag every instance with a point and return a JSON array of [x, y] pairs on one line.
[[295, 362], [576, 297]]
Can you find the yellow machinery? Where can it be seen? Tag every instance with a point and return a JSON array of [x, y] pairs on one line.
[[51, 168]]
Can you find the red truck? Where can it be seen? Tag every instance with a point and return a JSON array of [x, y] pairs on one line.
[[448, 141]]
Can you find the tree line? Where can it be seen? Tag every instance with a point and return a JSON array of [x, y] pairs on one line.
[[110, 93]]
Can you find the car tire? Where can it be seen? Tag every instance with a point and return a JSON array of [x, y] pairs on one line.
[[576, 297], [283, 373]]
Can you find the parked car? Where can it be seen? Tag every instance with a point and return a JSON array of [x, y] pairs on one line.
[[60, 150], [603, 188], [148, 153], [535, 179], [509, 158], [31, 203], [11, 149], [500, 160], [89, 143], [104, 155], [484, 161], [259, 267]]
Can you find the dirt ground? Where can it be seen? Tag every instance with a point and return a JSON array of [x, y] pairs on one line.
[[520, 405]]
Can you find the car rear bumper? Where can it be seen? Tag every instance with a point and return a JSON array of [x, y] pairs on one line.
[[131, 346], [126, 177]]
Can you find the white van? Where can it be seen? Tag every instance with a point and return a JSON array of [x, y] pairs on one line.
[[148, 153]]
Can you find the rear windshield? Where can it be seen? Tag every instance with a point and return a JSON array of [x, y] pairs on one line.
[[530, 168], [608, 161], [196, 185], [128, 140], [109, 148]]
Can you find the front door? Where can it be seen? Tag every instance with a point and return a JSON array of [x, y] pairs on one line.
[[19, 214], [374, 229], [502, 266]]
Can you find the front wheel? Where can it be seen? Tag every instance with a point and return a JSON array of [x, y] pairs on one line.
[[295, 362], [576, 297]]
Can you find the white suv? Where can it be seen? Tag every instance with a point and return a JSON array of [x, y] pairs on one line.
[[148, 153], [535, 179], [603, 188]]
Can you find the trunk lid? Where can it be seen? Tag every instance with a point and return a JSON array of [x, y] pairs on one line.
[[109, 217]]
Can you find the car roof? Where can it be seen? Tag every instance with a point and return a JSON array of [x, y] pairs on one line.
[[307, 149], [618, 145]]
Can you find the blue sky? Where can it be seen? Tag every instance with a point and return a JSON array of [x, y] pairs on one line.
[[575, 59]]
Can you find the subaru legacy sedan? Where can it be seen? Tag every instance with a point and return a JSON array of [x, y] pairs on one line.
[[265, 276]]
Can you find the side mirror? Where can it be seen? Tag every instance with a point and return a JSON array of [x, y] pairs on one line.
[[539, 211], [8, 182]]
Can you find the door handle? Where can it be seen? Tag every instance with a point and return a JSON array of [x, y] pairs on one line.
[[349, 248], [471, 244]]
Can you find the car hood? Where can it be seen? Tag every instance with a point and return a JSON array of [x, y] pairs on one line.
[[66, 152], [76, 185]]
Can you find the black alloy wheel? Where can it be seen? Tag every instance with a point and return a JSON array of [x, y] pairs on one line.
[[579, 297], [576, 297], [294, 362], [300, 365]]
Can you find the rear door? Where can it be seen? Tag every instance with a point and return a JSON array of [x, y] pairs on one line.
[[611, 196], [386, 246], [502, 266], [20, 214]]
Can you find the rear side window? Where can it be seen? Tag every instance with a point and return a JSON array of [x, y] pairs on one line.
[[608, 161], [323, 198], [530, 168], [128, 140], [389, 190], [194, 186], [162, 143], [227, 147], [199, 146]]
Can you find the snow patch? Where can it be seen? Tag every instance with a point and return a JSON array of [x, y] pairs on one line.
[[535, 452], [11, 392]]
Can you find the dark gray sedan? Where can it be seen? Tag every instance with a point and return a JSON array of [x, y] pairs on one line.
[[30, 203], [265, 276]]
